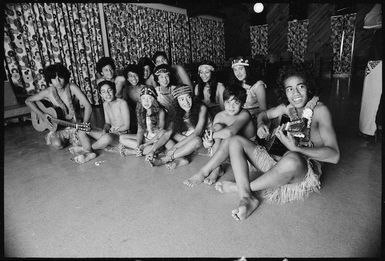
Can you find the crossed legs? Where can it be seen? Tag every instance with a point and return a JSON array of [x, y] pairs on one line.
[[291, 168]]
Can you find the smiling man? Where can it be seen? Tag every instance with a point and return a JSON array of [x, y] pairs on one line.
[[309, 138]]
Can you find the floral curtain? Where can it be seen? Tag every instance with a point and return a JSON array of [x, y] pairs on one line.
[[258, 37], [179, 38], [134, 32], [207, 40], [297, 39], [39, 34], [342, 37]]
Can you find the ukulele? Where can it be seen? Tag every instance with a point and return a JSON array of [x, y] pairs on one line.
[[52, 122]]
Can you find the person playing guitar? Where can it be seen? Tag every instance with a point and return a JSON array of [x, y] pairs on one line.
[[62, 94], [309, 138]]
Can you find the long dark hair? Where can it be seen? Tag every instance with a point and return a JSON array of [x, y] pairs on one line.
[[213, 84], [299, 70], [252, 75], [154, 117], [179, 125]]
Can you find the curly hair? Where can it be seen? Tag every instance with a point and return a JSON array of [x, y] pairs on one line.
[[50, 72], [103, 62], [251, 75], [154, 117], [299, 70], [135, 69], [213, 84], [179, 125]]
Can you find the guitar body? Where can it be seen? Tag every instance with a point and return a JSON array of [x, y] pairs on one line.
[[55, 114]]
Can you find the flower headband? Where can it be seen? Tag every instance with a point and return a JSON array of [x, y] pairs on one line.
[[239, 62], [205, 66], [180, 90]]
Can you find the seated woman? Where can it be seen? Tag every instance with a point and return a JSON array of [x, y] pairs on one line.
[[163, 88], [192, 118], [208, 89], [151, 127], [255, 89]]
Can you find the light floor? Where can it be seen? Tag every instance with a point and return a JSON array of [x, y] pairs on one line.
[[122, 207]]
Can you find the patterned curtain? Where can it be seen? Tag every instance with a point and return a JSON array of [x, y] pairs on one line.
[[342, 37], [135, 31], [297, 39], [258, 37], [179, 38], [39, 34], [207, 40]]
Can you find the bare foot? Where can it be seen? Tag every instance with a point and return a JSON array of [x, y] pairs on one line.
[[177, 163], [157, 162], [246, 206], [80, 159], [226, 186], [214, 175], [113, 149], [76, 150], [127, 152], [195, 180]]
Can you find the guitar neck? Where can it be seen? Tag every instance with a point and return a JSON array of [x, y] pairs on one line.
[[65, 123]]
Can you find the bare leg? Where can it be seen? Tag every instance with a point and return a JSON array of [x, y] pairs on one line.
[[214, 175], [128, 140], [290, 169], [104, 140], [84, 157], [214, 162], [188, 148], [179, 162]]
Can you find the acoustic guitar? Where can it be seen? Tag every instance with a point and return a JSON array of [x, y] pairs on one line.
[[297, 128], [52, 121]]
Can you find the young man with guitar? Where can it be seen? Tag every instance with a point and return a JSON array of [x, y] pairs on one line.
[[62, 95], [309, 138]]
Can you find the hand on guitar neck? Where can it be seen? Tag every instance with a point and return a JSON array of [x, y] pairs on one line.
[[51, 120]]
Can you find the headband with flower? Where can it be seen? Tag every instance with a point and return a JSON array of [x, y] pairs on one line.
[[240, 61]]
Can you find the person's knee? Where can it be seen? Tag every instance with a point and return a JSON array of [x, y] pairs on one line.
[[295, 163], [235, 141], [108, 138], [218, 127], [197, 142], [57, 144]]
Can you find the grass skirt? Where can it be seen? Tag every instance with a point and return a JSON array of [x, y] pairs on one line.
[[288, 192]]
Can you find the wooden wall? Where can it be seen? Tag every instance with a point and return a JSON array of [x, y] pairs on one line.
[[277, 16]]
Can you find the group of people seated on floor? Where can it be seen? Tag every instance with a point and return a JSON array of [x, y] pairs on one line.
[[153, 110]]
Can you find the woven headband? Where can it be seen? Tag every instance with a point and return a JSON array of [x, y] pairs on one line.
[[239, 62], [180, 90], [205, 66], [149, 91], [158, 72]]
